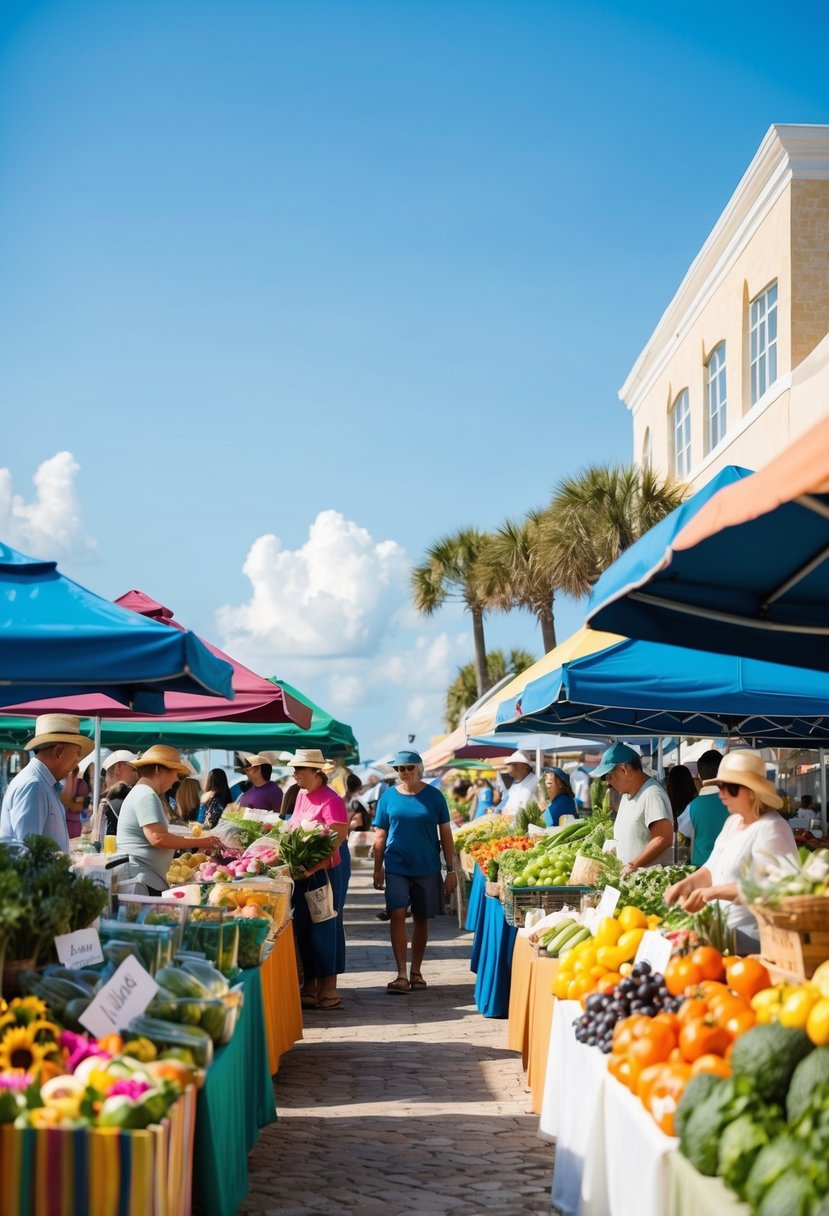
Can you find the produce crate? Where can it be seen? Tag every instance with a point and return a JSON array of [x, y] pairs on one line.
[[795, 936], [516, 900]]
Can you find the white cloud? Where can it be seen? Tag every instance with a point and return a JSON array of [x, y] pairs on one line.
[[335, 596], [50, 524]]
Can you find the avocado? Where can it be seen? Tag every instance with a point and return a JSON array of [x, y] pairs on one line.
[[767, 1057]]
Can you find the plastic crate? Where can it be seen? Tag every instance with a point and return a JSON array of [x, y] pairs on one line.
[[516, 900]]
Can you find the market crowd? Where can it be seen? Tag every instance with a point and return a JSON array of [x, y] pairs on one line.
[[153, 805]]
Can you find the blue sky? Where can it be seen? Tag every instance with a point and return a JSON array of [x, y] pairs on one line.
[[349, 275]]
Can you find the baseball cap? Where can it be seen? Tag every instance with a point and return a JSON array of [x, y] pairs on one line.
[[618, 753]]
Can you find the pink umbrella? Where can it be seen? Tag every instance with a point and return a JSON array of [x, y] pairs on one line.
[[255, 698]]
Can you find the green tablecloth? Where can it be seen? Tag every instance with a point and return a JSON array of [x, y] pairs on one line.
[[236, 1101], [692, 1194]]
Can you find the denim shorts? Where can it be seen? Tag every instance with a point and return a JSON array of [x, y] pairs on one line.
[[423, 893]]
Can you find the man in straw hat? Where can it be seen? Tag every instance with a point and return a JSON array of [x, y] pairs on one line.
[[263, 794], [32, 804]]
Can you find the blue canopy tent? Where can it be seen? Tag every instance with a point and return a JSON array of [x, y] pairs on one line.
[[742, 567], [57, 640], [629, 689]]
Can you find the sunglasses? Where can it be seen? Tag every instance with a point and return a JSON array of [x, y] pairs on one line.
[[730, 787], [406, 768]]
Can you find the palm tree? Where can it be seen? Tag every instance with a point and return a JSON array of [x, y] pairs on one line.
[[512, 574], [596, 515], [462, 693], [449, 572]]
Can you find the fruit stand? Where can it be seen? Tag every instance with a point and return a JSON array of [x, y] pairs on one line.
[[703, 1090], [110, 1122]]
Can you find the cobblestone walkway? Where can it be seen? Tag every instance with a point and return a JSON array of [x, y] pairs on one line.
[[398, 1104]]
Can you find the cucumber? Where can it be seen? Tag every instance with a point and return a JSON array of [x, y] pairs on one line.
[[549, 935], [582, 936], [561, 939]]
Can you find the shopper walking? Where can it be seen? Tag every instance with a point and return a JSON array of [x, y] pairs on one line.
[[411, 826]]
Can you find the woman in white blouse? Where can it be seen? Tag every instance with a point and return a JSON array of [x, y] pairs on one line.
[[752, 831]]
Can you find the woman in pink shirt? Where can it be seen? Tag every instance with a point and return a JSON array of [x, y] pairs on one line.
[[321, 946]]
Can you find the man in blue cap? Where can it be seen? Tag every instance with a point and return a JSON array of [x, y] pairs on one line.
[[644, 827]]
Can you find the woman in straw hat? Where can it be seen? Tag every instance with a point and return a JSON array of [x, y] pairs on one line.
[[321, 945], [752, 831], [144, 825]]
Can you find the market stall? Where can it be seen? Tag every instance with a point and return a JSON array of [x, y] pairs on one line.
[[531, 1006]]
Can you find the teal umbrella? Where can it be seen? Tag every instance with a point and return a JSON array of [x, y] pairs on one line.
[[335, 739]]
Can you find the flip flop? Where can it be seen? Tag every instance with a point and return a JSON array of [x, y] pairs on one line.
[[399, 987], [417, 980], [330, 1002], [308, 1002]]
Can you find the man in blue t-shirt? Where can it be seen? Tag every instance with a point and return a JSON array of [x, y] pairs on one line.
[[411, 825]]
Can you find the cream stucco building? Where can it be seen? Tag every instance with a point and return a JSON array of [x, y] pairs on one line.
[[738, 365]]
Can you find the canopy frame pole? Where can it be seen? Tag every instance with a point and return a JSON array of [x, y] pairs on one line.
[[96, 776], [797, 577], [822, 762]]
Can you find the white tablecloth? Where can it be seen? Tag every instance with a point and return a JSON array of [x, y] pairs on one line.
[[611, 1158]]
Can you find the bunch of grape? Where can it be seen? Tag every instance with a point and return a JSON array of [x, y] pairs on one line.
[[641, 992]]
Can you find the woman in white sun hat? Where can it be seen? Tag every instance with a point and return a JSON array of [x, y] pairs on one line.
[[753, 830], [321, 945]]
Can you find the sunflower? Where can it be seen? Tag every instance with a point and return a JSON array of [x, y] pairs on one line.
[[27, 1008], [45, 1033], [20, 1051]]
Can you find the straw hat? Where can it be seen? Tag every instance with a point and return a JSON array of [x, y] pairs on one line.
[[310, 757], [59, 728], [749, 769], [162, 753], [254, 759]]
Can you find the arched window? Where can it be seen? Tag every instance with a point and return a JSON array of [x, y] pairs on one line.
[[763, 335], [681, 428], [715, 397], [647, 449]]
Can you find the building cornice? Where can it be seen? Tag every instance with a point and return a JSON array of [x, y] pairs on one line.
[[787, 152]]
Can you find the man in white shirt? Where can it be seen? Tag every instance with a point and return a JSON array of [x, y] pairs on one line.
[[644, 827], [524, 788]]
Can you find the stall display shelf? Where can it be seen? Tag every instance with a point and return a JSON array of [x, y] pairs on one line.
[[105, 1171]]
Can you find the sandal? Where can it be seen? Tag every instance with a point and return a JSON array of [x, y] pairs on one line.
[[308, 1001], [417, 980], [329, 1002], [399, 986]]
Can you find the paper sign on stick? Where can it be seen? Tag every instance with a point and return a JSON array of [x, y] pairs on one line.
[[607, 904], [121, 999], [654, 949], [80, 949]]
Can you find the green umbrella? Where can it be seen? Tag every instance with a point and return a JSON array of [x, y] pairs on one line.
[[334, 739]]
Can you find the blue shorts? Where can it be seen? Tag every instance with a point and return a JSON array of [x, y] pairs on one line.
[[424, 894]]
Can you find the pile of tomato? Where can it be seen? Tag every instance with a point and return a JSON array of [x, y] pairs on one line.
[[655, 1057]]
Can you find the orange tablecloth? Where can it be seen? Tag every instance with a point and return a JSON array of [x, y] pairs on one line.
[[280, 994], [531, 1013]]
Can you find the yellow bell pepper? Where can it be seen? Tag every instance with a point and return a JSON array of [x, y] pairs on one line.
[[817, 1026], [797, 1005]]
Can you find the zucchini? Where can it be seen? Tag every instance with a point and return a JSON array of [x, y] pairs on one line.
[[582, 936]]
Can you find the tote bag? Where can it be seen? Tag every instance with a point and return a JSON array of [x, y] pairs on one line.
[[320, 901]]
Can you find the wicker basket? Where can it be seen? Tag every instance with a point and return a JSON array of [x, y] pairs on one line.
[[516, 900], [493, 889], [586, 872], [795, 936]]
